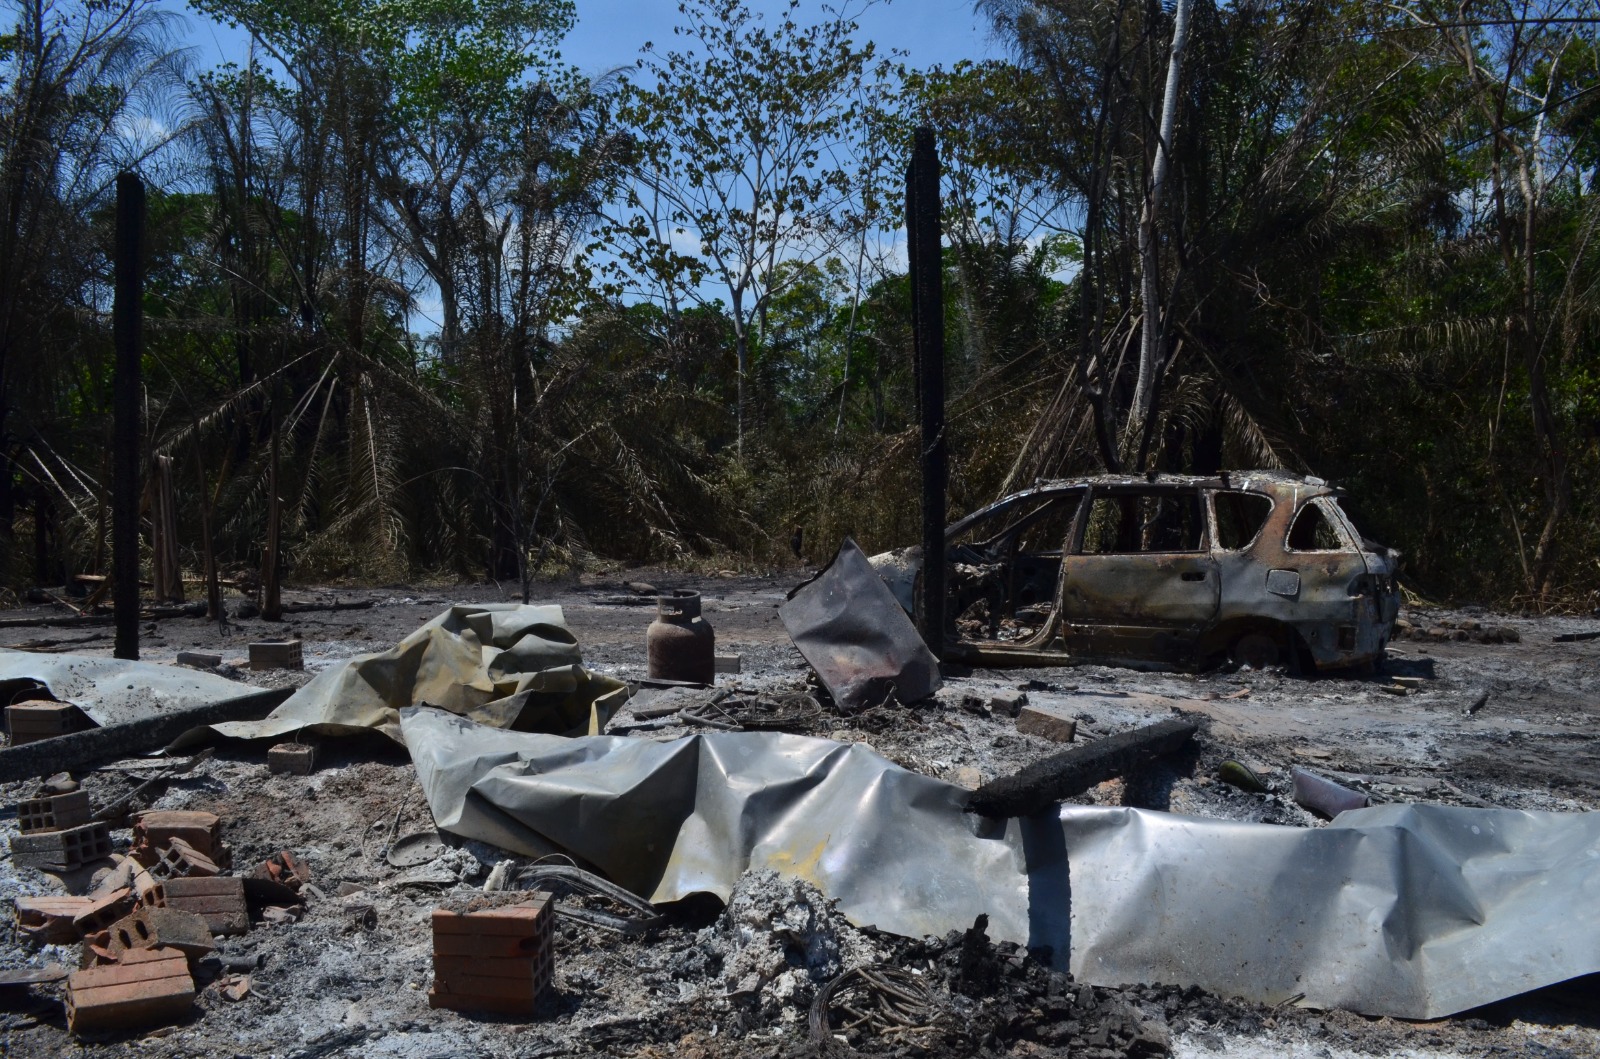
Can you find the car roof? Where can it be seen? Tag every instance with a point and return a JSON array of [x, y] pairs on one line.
[[1275, 483], [1264, 480]]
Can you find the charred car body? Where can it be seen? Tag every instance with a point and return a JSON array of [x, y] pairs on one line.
[[1262, 567]]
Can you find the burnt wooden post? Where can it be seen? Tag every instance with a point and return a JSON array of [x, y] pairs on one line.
[[924, 244], [127, 318]]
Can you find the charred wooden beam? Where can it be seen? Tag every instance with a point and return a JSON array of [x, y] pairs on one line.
[[127, 319], [925, 238], [1046, 782], [66, 753]]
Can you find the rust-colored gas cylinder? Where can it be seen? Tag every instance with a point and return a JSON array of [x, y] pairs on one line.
[[680, 642]]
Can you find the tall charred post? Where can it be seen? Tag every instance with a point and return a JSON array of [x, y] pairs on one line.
[[925, 246], [127, 325]]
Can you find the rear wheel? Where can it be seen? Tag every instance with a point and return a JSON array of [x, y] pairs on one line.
[[1257, 650]]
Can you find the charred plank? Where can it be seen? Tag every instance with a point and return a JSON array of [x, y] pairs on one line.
[[1046, 782]]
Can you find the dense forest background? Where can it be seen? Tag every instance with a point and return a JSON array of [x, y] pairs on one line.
[[1344, 237]]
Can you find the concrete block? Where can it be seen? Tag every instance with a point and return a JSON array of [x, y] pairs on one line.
[[55, 812], [51, 920], [219, 901], [62, 850], [1054, 723], [199, 659], [277, 654], [295, 759], [150, 989], [1009, 702], [728, 664], [150, 928], [497, 960], [103, 911]]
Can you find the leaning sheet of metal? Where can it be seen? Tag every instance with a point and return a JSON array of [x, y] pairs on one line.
[[115, 690], [847, 624], [505, 664], [1410, 911]]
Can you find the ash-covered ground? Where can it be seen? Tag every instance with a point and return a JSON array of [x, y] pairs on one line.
[[1503, 724]]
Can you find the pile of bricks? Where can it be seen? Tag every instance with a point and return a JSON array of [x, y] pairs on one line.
[[158, 910], [36, 719], [497, 960]]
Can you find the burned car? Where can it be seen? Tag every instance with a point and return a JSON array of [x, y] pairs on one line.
[[1260, 567]]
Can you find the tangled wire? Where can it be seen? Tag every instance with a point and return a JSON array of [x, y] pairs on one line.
[[886, 1000]]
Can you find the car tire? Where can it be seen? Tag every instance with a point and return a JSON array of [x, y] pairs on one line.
[[1257, 649]]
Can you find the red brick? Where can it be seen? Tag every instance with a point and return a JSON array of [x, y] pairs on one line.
[[62, 850], [1049, 722], [34, 720], [149, 989], [286, 868], [220, 901], [488, 946], [153, 831], [499, 959], [54, 812], [182, 861], [295, 759], [97, 949], [49, 920], [517, 920], [150, 928], [104, 911]]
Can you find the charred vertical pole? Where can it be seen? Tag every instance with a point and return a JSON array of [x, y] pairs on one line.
[[925, 246], [127, 319]]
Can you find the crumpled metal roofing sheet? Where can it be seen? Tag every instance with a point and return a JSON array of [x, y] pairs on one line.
[[115, 690], [504, 664], [1415, 911]]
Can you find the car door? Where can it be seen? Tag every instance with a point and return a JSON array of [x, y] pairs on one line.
[[1140, 582]]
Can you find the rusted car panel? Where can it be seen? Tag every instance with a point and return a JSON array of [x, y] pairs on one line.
[[1167, 570]]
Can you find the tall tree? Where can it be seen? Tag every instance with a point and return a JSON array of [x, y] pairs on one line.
[[754, 149], [80, 92]]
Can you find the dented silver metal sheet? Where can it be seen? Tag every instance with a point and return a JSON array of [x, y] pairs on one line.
[[115, 690], [850, 628], [1411, 911]]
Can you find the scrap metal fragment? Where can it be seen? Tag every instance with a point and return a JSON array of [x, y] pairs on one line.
[[1325, 797], [1237, 774], [1044, 783]]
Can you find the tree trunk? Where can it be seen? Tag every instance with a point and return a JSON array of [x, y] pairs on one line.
[[1138, 426], [272, 567]]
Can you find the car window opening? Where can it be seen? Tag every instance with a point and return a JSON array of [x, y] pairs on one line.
[[1312, 532], [1131, 523], [1240, 517], [1004, 570]]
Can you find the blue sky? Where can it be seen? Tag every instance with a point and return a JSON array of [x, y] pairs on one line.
[[611, 32]]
